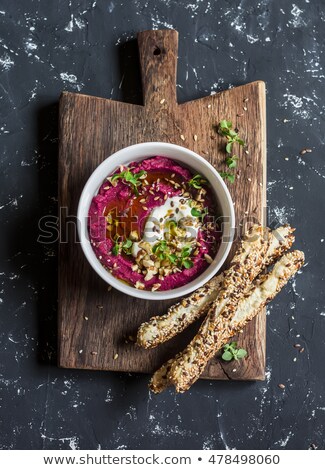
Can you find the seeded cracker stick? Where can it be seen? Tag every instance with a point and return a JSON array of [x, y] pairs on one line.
[[184, 371], [179, 316], [244, 267], [281, 240]]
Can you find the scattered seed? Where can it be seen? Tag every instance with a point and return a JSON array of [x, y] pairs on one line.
[[116, 356], [245, 100], [208, 258], [94, 353], [286, 158], [297, 345], [282, 386], [301, 350], [142, 200], [249, 179], [294, 359], [145, 208], [109, 288], [245, 108], [260, 184], [80, 351], [305, 150], [209, 105], [162, 101], [247, 152], [86, 318], [195, 137], [240, 115], [182, 137], [313, 446]]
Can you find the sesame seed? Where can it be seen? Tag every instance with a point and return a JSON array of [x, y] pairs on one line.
[[182, 137], [195, 137], [115, 356], [94, 353], [282, 386], [86, 318], [162, 101]]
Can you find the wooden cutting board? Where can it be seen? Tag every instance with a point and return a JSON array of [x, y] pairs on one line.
[[95, 323]]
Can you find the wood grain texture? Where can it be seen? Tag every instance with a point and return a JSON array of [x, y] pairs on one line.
[[95, 323]]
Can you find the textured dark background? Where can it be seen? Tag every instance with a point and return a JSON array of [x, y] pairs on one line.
[[46, 47]]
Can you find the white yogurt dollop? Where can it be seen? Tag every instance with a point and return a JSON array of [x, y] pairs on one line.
[[175, 209]]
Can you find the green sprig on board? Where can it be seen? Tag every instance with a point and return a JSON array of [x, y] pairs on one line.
[[225, 129], [232, 352]]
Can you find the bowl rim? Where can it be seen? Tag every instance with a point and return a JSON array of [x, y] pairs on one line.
[[83, 210]]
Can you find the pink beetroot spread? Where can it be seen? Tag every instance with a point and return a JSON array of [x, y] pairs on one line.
[[119, 213]]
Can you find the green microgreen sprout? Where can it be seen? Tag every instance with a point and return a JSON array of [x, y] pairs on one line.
[[225, 129], [116, 246], [184, 259], [197, 181], [199, 214], [231, 161], [127, 246], [227, 176], [131, 178], [161, 250], [232, 352]]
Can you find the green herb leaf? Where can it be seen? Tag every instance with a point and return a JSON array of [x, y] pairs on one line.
[[126, 246], [227, 176], [241, 353], [231, 352], [227, 356], [187, 263], [232, 161], [195, 212], [186, 251], [131, 178], [172, 258], [116, 249], [197, 181], [229, 147], [225, 129]]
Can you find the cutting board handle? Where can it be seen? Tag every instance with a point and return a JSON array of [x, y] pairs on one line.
[[158, 62]]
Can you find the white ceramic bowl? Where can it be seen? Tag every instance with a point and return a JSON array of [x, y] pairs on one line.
[[186, 158]]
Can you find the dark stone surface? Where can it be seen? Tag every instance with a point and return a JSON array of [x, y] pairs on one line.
[[46, 47]]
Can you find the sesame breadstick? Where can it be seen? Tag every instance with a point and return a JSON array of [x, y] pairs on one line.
[[179, 316], [245, 263], [187, 368], [243, 269]]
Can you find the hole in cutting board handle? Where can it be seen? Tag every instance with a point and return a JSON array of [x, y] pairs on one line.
[[157, 51]]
